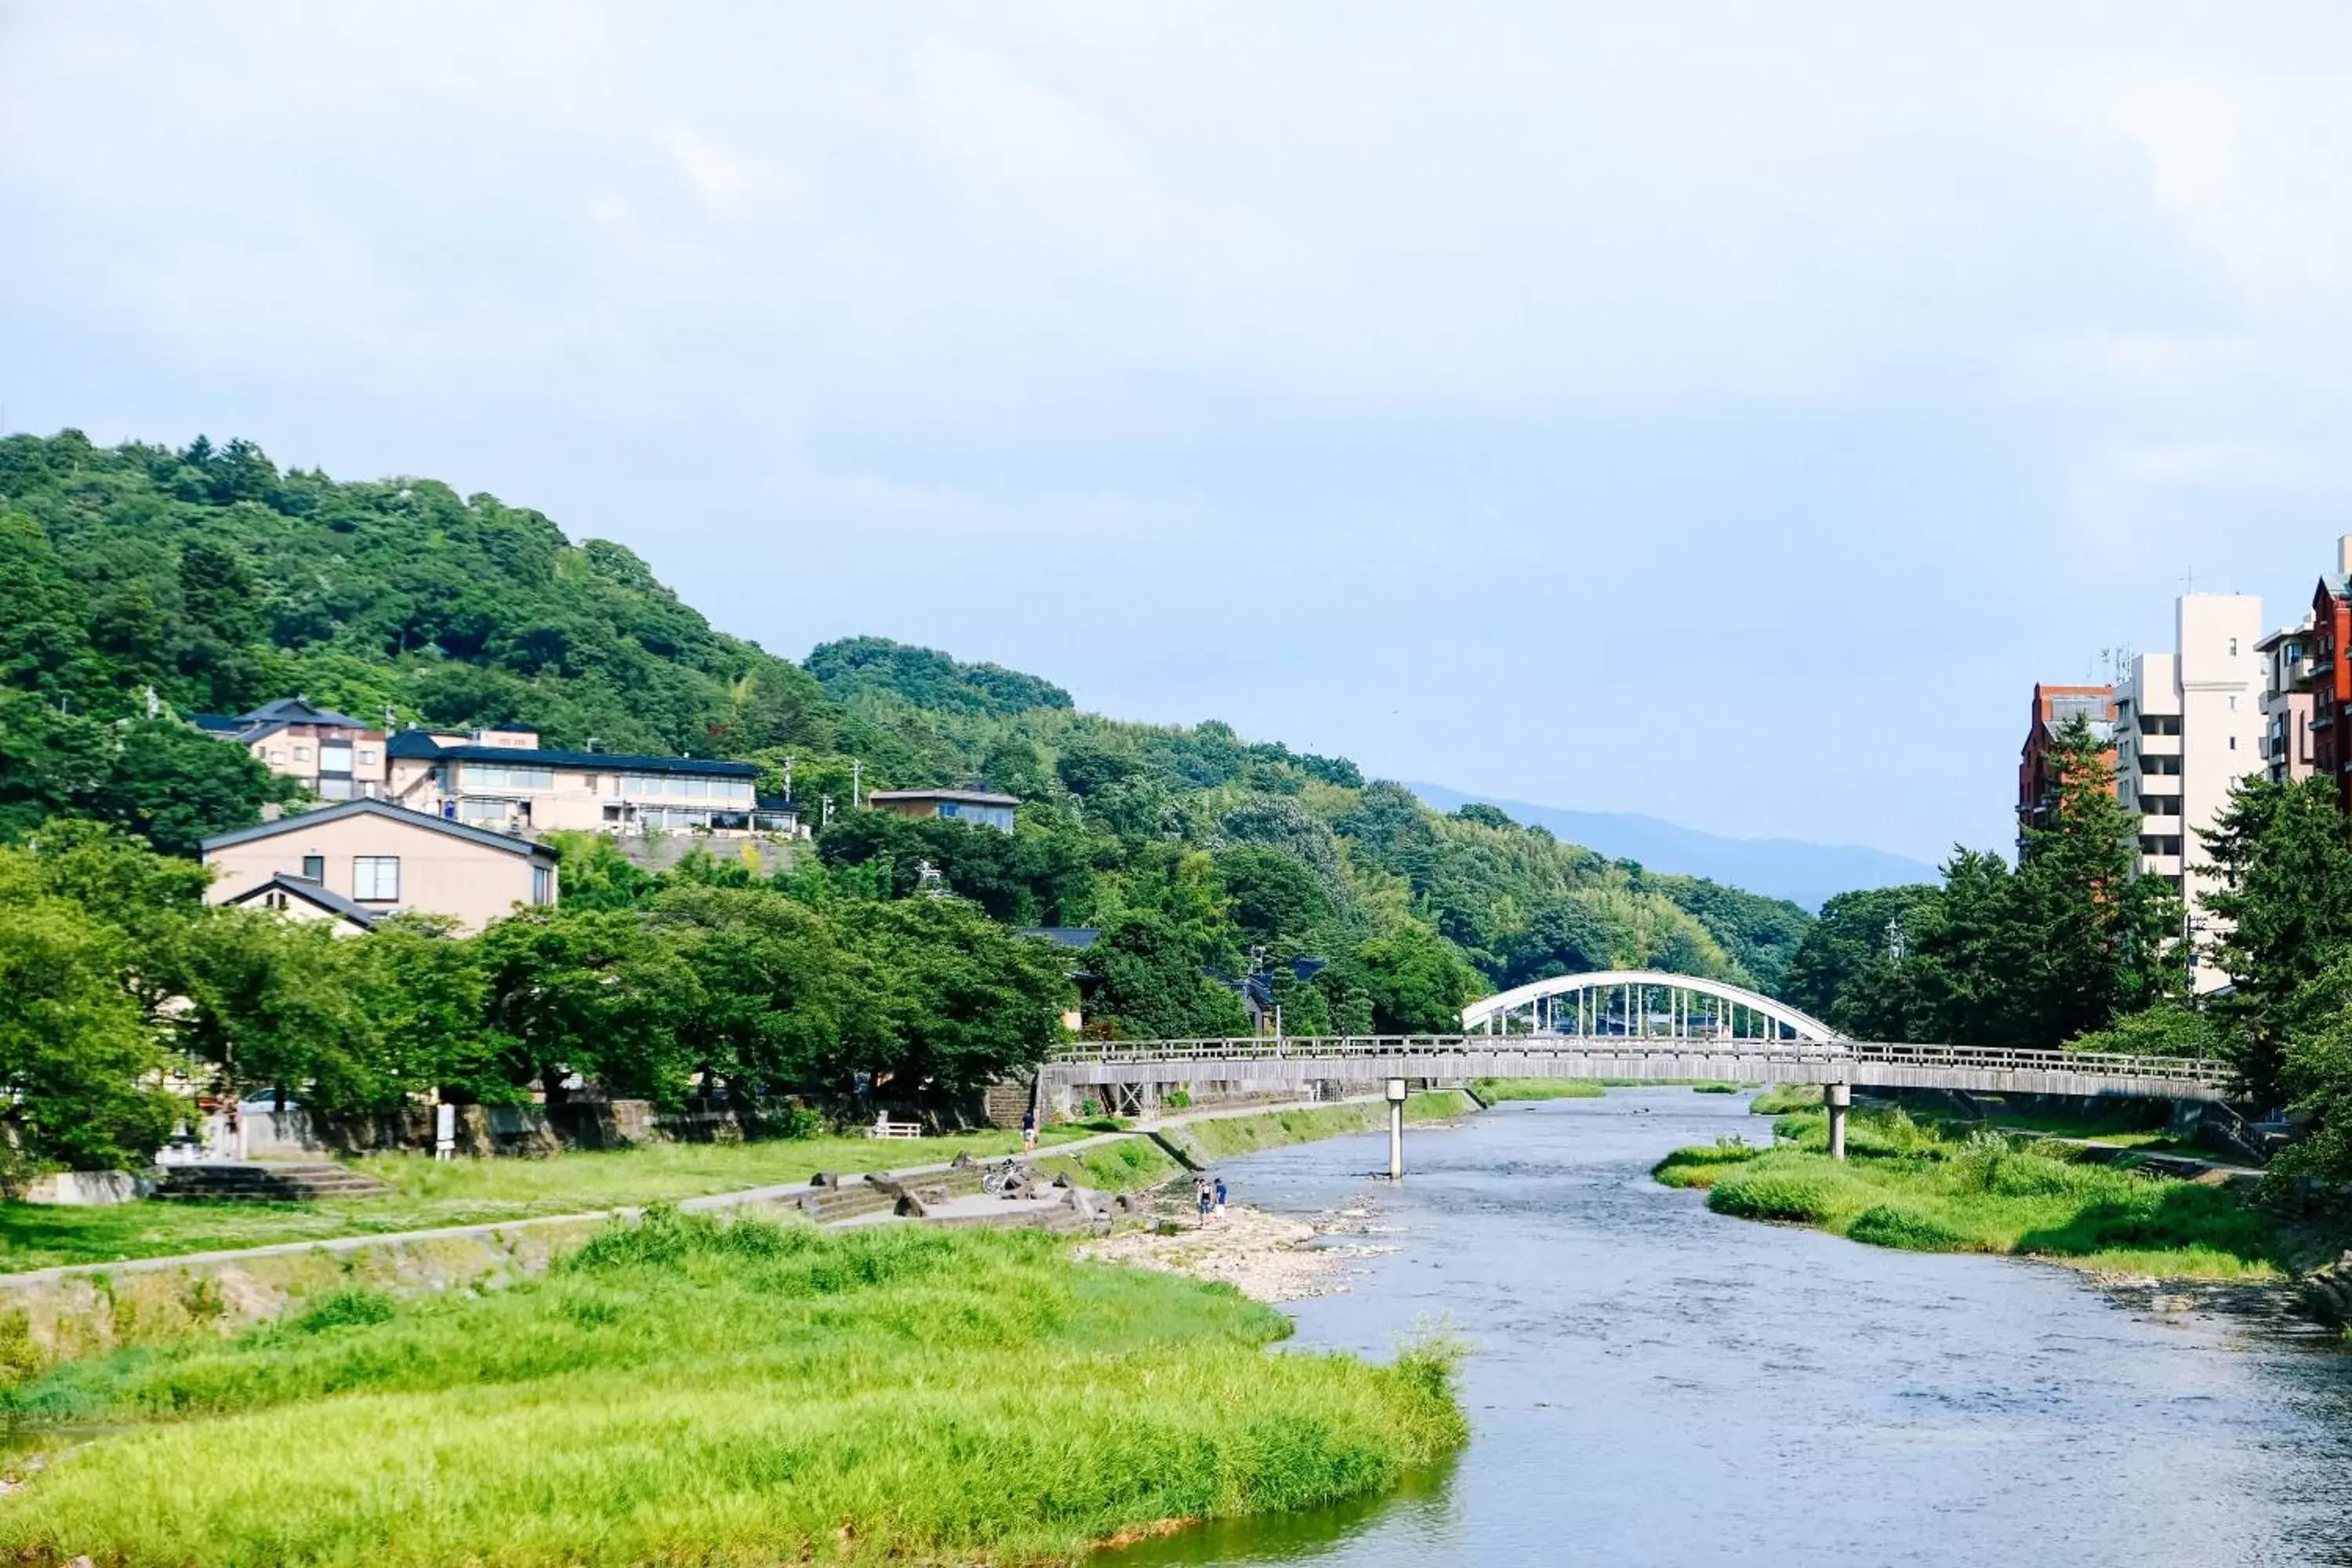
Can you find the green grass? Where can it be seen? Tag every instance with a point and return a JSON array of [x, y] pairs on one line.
[[1715, 1089], [1129, 1165], [1783, 1097], [1225, 1137], [427, 1193], [1912, 1186], [1492, 1089], [746, 1393]]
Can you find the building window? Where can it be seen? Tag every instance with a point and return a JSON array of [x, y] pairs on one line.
[[367, 756], [2233, 739], [301, 753], [542, 884], [2233, 647], [335, 757], [2159, 723], [498, 775], [314, 868], [376, 878], [278, 755]]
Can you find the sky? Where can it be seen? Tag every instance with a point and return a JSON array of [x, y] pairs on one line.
[[1725, 412]]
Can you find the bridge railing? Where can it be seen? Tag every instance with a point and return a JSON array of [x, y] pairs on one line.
[[1826, 1053]]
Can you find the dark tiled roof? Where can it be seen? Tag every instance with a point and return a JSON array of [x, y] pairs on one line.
[[417, 743], [773, 803], [295, 711], [310, 892], [966, 797], [391, 813]]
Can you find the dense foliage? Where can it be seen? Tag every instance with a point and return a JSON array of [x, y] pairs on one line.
[[142, 583], [2067, 942]]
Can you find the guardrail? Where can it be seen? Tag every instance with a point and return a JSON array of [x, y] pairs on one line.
[[1832, 1053]]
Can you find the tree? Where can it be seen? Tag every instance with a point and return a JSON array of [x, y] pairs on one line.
[[1273, 898], [957, 999], [1847, 971], [781, 1003], [1150, 987], [1418, 983], [74, 1048], [599, 992], [2284, 858], [273, 1004]]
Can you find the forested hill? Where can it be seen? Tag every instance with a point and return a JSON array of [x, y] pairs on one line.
[[210, 578]]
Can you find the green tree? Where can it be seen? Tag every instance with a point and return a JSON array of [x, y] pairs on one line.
[[273, 1004], [781, 1002], [2284, 857], [1417, 983], [1273, 898], [74, 1047], [602, 994], [956, 999], [1150, 987]]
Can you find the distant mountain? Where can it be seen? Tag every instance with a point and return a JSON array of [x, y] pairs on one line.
[[1780, 867]]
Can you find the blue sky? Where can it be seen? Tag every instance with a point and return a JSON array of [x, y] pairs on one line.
[[1722, 412]]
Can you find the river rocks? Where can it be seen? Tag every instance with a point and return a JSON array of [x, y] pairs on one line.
[[2328, 1290]]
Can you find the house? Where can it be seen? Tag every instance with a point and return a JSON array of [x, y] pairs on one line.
[[981, 807], [379, 859], [505, 780], [2054, 708], [298, 899], [336, 756]]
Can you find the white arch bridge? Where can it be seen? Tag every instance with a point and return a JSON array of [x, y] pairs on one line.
[[1641, 1025]]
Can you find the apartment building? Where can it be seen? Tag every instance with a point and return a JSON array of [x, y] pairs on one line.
[[2054, 708], [2189, 725], [2327, 674], [2289, 747], [503, 779], [336, 756]]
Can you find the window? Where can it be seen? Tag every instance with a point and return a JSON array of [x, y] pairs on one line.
[[301, 753], [335, 757], [332, 788], [376, 878], [2233, 702], [314, 868], [367, 756], [2233, 647], [500, 775], [277, 756], [542, 884], [2233, 739], [2159, 723]]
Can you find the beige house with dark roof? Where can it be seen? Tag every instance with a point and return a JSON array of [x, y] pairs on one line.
[[368, 858]]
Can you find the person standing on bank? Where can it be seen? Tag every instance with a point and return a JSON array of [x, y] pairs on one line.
[[1221, 1198], [1202, 1195], [1029, 1131]]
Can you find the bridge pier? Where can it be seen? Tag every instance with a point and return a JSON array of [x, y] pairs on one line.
[[1839, 1098], [1396, 1129]]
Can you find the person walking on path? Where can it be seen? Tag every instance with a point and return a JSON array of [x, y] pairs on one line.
[[1221, 1198], [1029, 1132]]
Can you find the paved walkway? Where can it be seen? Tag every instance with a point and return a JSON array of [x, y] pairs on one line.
[[785, 1192]]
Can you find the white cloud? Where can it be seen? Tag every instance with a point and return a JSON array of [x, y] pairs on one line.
[[718, 174]]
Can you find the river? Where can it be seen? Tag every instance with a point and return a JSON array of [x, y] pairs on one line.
[[1651, 1383]]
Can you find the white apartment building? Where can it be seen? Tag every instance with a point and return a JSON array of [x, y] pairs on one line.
[[2189, 725]]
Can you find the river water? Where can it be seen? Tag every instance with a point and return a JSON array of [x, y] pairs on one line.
[[1651, 1383]]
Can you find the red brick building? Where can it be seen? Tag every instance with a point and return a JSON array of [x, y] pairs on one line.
[[2037, 773], [2328, 679]]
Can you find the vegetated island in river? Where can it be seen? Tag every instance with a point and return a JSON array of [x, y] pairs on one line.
[[689, 1390], [1930, 1188]]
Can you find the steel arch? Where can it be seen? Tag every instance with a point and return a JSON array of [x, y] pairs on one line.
[[1803, 1026]]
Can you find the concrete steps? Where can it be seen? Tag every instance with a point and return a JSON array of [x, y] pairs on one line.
[[279, 1181]]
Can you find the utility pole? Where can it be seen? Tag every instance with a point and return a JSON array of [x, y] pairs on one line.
[[856, 771], [788, 778], [826, 820]]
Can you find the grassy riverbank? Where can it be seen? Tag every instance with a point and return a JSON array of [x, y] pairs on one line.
[[1930, 1190], [427, 1193], [723, 1394], [1494, 1090], [1225, 1137]]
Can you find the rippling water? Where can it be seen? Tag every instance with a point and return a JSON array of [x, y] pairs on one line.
[[1654, 1383]]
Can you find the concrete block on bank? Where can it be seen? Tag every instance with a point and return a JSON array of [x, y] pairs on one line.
[[91, 1189]]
